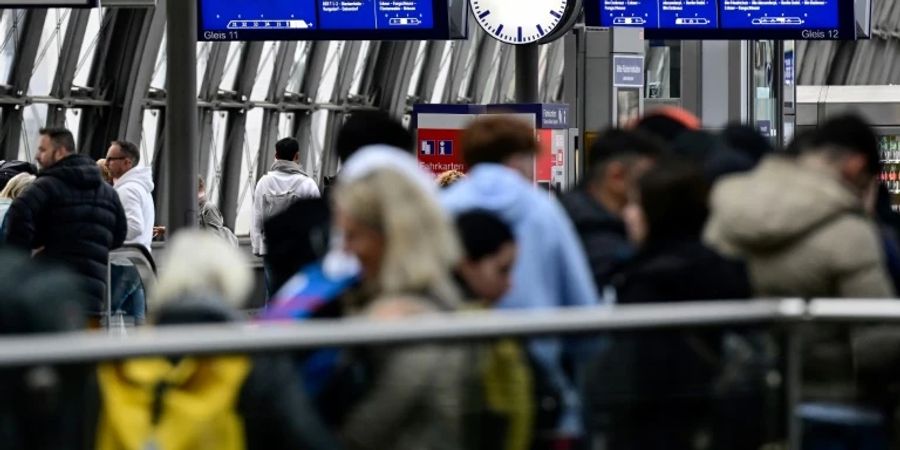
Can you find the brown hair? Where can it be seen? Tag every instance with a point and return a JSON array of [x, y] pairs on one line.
[[494, 139]]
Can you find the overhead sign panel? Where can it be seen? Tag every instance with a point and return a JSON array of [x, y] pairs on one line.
[[230, 20], [728, 19]]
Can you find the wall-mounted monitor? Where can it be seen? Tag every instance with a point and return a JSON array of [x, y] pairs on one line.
[[253, 20], [728, 19]]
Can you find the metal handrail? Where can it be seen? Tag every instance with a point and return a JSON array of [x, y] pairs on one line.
[[84, 347], [848, 310]]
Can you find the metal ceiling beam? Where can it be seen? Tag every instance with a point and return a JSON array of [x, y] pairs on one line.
[[485, 63], [69, 55], [463, 60], [393, 73], [433, 64], [506, 75], [19, 79], [237, 133], [551, 90], [209, 88], [119, 77], [281, 73], [315, 66], [346, 74]]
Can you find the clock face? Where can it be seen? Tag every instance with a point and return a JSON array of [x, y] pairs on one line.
[[519, 21]]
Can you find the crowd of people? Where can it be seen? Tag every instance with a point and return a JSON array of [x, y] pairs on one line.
[[666, 212]]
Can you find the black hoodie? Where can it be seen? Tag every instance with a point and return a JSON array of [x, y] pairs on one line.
[[602, 234], [73, 218]]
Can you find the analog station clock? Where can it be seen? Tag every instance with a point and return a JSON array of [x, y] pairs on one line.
[[525, 21]]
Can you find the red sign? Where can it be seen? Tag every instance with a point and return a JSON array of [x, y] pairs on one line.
[[440, 150]]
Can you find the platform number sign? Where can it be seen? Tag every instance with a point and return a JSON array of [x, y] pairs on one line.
[[523, 21]]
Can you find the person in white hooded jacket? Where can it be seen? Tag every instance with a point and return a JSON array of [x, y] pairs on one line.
[[276, 191], [134, 185]]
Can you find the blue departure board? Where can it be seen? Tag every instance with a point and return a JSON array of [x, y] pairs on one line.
[[327, 19], [728, 19]]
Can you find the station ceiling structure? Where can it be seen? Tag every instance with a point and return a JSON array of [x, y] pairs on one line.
[[101, 73]]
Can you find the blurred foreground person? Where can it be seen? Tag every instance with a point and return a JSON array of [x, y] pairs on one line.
[[665, 218], [551, 270], [505, 380], [801, 224], [69, 215], [219, 402], [41, 408], [663, 389], [367, 129], [617, 160], [667, 123], [407, 248], [747, 140]]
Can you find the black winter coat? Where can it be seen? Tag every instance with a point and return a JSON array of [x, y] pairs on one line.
[[602, 234], [681, 271], [661, 389], [75, 218]]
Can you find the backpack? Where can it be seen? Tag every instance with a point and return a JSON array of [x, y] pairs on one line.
[[500, 401], [155, 403]]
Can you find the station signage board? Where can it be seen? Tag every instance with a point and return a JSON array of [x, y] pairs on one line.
[[729, 19], [250, 20]]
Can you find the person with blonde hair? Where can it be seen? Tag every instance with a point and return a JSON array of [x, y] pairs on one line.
[[405, 243], [14, 187], [103, 165], [407, 248], [199, 263]]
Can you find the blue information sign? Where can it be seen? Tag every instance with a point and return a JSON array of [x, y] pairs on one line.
[[325, 19], [628, 71], [728, 19]]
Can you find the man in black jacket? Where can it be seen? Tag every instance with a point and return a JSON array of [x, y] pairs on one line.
[[69, 215], [615, 162]]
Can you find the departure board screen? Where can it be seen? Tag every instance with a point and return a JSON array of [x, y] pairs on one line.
[[324, 19], [728, 19]]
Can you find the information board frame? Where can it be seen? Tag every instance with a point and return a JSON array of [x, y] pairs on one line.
[[846, 27], [445, 16]]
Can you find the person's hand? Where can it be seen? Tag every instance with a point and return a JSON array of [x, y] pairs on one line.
[[159, 232]]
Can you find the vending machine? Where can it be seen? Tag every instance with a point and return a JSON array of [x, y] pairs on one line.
[[878, 105]]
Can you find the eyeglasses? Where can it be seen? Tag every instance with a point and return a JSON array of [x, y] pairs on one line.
[[116, 158]]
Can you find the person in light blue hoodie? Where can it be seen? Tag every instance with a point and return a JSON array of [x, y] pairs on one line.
[[551, 269]]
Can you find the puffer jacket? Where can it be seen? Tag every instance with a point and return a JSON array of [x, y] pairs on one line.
[[73, 218], [802, 232]]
